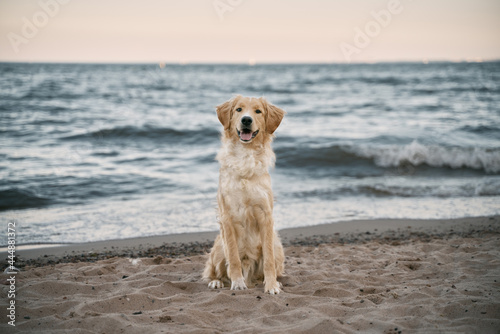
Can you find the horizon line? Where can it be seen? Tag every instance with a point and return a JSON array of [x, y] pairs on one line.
[[181, 63]]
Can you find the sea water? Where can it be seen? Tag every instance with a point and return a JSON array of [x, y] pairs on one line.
[[107, 151]]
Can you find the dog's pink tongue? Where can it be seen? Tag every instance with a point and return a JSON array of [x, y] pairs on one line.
[[246, 135]]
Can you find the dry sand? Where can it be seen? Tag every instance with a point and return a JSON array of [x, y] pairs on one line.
[[372, 277]]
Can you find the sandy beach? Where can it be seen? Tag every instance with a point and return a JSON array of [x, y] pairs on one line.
[[385, 276]]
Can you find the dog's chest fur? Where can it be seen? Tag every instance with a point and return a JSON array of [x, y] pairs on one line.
[[245, 186]]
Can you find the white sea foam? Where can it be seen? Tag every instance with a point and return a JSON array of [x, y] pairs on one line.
[[486, 159]]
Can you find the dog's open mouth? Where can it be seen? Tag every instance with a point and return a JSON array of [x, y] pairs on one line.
[[247, 134]]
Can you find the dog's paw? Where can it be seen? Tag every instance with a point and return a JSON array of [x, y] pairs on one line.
[[238, 284], [216, 284], [273, 288]]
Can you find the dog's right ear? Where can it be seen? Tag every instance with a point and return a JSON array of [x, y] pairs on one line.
[[224, 112]]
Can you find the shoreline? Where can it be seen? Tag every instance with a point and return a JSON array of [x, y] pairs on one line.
[[187, 244]]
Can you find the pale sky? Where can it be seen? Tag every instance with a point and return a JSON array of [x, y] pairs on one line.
[[264, 31]]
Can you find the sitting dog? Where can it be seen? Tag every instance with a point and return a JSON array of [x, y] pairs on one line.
[[247, 249]]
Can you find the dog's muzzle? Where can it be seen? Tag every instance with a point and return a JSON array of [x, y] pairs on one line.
[[246, 134]]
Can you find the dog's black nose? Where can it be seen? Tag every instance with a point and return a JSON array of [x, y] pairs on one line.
[[246, 120]]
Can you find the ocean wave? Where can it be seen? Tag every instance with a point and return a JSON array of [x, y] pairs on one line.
[[313, 113], [329, 159], [416, 154], [51, 89], [487, 130], [11, 199], [391, 81], [354, 158], [268, 89], [106, 153], [49, 121], [297, 156], [36, 94], [443, 191], [161, 87], [424, 91], [405, 187], [76, 190], [148, 132]]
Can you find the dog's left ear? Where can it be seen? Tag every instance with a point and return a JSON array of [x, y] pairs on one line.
[[274, 116]]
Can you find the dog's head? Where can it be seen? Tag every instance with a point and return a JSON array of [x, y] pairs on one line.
[[249, 119]]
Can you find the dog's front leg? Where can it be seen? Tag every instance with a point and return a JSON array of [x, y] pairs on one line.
[[232, 255], [271, 284]]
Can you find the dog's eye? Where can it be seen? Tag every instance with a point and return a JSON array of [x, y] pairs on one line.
[[238, 109], [258, 111]]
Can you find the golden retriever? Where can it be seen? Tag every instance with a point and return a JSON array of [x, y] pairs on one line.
[[247, 249]]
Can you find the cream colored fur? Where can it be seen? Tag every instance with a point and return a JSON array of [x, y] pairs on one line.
[[248, 250]]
